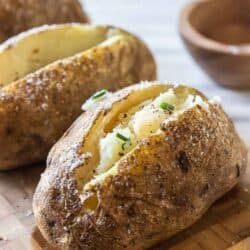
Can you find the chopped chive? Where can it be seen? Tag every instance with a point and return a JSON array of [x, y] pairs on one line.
[[167, 106], [99, 94], [127, 141], [122, 137]]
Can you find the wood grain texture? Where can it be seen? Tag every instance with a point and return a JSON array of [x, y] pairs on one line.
[[227, 223], [242, 245]]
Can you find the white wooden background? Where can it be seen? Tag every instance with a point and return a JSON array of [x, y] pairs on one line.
[[156, 21]]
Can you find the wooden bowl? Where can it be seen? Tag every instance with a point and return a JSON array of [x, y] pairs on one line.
[[217, 34]]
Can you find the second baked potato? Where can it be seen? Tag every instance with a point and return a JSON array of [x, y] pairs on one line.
[[137, 168], [47, 73]]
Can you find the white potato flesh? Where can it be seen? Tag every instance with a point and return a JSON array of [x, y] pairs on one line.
[[112, 148], [144, 122], [138, 124], [148, 120]]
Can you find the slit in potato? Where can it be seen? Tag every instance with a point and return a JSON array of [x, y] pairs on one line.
[[131, 123], [105, 123], [30, 52]]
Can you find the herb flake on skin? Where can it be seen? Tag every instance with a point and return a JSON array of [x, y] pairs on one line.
[[167, 106], [99, 94]]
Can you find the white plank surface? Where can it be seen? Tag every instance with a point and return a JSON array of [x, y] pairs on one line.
[[157, 23]]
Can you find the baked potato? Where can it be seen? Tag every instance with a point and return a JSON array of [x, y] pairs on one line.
[[20, 15], [47, 73], [136, 168]]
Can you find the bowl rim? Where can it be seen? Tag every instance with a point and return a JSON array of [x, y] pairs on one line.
[[187, 30]]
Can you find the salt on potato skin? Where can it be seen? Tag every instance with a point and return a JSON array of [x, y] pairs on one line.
[[165, 184], [37, 108]]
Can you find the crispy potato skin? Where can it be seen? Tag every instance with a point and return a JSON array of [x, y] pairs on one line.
[[163, 186], [19, 15], [36, 110]]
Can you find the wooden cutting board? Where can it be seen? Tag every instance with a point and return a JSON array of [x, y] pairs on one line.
[[225, 225]]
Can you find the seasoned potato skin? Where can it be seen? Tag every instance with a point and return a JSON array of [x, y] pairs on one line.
[[36, 110], [163, 186], [20, 15]]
